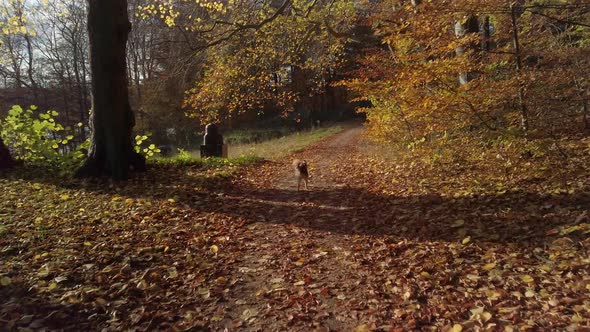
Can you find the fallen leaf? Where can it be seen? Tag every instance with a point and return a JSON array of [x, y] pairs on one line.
[[362, 328], [101, 301], [476, 311], [458, 223], [5, 281], [489, 266], [249, 313], [576, 318], [172, 272], [214, 249]]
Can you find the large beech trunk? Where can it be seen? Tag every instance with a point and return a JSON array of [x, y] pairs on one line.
[[111, 150], [6, 160]]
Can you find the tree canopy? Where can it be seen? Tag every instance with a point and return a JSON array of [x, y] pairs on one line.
[[416, 69]]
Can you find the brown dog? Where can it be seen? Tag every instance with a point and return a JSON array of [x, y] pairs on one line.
[[301, 172]]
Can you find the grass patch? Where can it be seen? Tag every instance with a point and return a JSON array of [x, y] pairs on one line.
[[206, 172], [280, 147], [263, 144], [251, 136], [190, 159]]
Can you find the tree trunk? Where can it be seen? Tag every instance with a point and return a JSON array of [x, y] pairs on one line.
[[30, 65], [79, 86], [29, 44], [111, 150], [581, 90], [6, 160], [470, 26], [486, 36], [14, 62], [84, 111], [524, 120]]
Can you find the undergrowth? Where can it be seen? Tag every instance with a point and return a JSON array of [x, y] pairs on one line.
[[468, 165]]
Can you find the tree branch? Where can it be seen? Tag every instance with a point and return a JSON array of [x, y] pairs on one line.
[[242, 27], [587, 25]]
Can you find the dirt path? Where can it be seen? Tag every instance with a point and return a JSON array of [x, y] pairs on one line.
[[348, 256], [322, 158], [296, 271]]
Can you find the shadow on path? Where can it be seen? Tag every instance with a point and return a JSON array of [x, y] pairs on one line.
[[518, 217]]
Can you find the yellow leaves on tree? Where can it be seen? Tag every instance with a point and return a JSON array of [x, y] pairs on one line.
[[14, 20], [248, 54], [448, 67]]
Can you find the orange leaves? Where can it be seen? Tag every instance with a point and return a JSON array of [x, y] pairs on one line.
[[419, 51]]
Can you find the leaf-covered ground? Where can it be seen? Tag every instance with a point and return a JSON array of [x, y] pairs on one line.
[[378, 243]]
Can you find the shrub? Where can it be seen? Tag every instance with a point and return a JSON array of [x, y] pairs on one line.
[[35, 137]]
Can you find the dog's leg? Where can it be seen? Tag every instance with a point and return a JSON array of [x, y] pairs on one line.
[[305, 182], [298, 184]]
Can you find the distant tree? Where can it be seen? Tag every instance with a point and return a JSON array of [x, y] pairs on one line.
[[111, 150], [17, 33], [63, 52]]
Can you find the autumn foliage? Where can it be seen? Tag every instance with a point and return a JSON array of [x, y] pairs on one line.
[[251, 54], [444, 67]]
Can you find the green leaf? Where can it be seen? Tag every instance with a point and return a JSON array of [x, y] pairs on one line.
[[15, 110]]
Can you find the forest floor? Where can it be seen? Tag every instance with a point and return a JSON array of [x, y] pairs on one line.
[[374, 245]]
